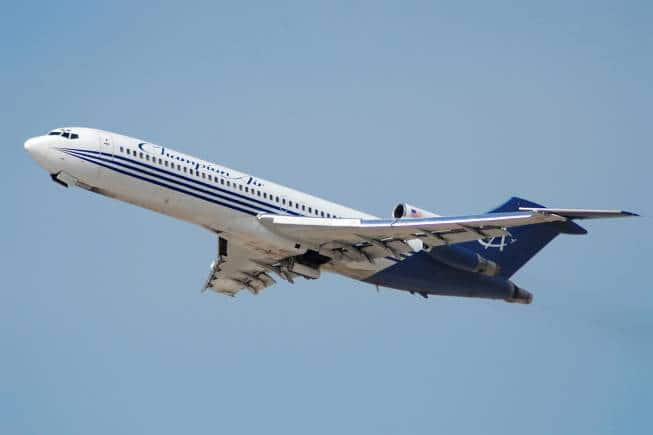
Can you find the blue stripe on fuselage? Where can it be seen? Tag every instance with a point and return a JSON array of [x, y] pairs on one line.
[[275, 208], [231, 206], [224, 198]]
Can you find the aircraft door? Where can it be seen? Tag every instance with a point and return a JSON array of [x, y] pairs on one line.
[[106, 145]]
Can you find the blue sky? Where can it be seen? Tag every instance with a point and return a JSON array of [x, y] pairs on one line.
[[452, 107]]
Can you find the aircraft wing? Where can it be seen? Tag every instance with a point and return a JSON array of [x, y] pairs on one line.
[[393, 236], [238, 267]]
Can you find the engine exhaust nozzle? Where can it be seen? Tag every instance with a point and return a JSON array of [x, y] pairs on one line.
[[520, 296]]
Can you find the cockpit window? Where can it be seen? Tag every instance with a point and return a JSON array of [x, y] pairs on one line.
[[64, 133]]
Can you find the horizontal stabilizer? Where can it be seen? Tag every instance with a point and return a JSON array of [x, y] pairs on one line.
[[572, 213], [512, 252]]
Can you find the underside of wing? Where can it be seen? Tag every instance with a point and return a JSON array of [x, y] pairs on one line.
[[237, 267]]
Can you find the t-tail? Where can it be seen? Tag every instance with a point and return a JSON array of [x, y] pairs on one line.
[[512, 251]]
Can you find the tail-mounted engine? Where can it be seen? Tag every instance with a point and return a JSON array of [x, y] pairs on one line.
[[407, 211], [463, 259]]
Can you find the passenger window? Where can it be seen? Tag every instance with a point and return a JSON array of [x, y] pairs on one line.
[[289, 203], [310, 210], [303, 207], [322, 213], [185, 170], [147, 157], [141, 155], [122, 150], [160, 161], [277, 199], [258, 193], [265, 195], [247, 189], [228, 183], [221, 180]]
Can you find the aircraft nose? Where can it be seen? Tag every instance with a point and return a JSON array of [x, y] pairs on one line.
[[37, 148], [30, 144]]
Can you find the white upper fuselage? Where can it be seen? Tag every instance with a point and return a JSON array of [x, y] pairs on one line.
[[218, 198]]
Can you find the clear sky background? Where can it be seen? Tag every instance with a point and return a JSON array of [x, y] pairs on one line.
[[450, 106]]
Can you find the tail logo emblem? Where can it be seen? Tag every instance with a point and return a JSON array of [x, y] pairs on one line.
[[498, 242]]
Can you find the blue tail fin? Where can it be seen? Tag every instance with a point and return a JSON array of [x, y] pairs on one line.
[[513, 251]]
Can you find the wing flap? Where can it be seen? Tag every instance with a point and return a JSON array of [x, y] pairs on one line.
[[239, 268]]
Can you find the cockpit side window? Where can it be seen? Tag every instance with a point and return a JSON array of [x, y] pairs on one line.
[[65, 133]]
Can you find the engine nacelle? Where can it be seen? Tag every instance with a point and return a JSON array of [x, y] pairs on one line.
[[519, 296], [463, 259], [407, 211]]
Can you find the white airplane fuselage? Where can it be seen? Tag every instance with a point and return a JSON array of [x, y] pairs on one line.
[[221, 199]]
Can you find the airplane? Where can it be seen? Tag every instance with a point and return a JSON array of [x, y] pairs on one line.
[[265, 230]]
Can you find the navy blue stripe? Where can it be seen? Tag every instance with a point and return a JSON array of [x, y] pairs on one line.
[[224, 198], [89, 159], [276, 208]]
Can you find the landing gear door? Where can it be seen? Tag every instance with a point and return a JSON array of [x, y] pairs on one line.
[[106, 145]]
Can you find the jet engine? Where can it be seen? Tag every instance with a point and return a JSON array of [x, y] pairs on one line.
[[407, 211], [462, 259]]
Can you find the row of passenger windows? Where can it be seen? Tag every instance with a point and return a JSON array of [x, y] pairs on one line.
[[287, 203]]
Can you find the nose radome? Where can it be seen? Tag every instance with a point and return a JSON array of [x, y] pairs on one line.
[[37, 148], [30, 144]]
